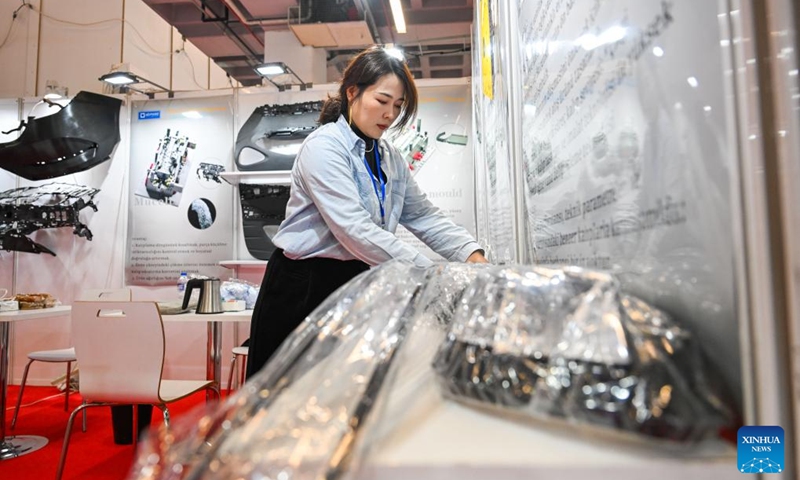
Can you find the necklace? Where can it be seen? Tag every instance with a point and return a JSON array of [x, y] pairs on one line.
[[371, 148]]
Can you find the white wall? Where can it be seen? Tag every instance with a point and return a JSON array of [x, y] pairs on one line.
[[147, 44], [74, 42], [18, 53], [307, 62]]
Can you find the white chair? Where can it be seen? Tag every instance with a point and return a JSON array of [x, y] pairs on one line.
[[67, 355], [237, 353], [121, 347]]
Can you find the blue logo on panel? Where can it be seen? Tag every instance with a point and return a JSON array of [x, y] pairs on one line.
[[149, 114], [760, 449]]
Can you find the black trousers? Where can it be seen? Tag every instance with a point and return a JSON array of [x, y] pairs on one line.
[[291, 290], [122, 422]]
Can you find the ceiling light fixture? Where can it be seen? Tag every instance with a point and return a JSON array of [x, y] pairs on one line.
[[124, 80], [276, 68], [399, 18], [272, 69]]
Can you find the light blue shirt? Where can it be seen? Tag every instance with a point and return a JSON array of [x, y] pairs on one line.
[[333, 209]]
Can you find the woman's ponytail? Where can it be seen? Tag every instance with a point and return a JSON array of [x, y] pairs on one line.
[[331, 110]]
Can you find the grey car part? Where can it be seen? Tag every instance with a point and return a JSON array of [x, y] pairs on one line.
[[263, 210], [273, 134]]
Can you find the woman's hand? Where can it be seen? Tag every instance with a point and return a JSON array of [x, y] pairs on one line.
[[477, 257]]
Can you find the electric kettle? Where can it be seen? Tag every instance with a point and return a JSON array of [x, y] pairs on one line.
[[210, 300]]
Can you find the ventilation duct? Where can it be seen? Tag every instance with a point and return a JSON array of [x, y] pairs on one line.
[[340, 23]]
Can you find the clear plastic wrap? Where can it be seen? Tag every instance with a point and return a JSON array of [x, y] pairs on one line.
[[537, 342], [237, 289], [566, 343]]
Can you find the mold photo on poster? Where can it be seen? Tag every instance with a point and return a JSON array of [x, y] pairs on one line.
[[201, 213], [168, 172]]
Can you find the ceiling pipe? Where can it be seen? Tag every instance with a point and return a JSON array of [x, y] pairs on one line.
[[228, 31], [388, 23], [238, 15], [299, 8], [364, 9]]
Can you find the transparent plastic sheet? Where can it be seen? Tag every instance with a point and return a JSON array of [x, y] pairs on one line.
[[238, 289], [537, 342], [299, 417], [567, 344]]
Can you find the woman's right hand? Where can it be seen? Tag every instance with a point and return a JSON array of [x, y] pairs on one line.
[[477, 257]]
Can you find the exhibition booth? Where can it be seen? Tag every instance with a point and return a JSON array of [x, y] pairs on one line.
[[628, 168]]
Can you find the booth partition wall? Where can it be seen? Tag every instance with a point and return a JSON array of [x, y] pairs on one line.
[[658, 140]]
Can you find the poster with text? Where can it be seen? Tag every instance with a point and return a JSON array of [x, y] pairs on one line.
[[180, 217], [628, 154]]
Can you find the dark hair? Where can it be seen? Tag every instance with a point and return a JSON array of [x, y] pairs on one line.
[[363, 71]]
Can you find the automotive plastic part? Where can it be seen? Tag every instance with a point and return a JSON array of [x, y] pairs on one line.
[[263, 210], [271, 137], [77, 137], [27, 209]]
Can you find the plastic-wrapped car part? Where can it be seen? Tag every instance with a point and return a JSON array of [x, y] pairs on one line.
[[271, 137], [79, 136], [263, 210], [567, 344], [301, 415], [350, 373]]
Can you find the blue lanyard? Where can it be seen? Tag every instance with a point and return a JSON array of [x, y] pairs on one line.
[[382, 195]]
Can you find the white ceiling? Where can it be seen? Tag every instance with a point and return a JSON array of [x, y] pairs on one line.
[[231, 32]]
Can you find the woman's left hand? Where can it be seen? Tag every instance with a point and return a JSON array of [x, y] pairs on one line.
[[477, 257]]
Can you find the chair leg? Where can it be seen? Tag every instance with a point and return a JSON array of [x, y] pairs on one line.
[[215, 388], [165, 413], [83, 427], [230, 375], [242, 371], [66, 390], [67, 434], [135, 425], [19, 397]]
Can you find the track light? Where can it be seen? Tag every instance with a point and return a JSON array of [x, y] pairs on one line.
[[124, 80], [271, 69], [274, 68]]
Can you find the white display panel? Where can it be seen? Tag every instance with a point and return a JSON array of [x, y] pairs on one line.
[[492, 134], [628, 150], [444, 167]]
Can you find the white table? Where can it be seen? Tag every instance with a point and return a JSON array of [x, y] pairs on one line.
[[12, 447], [214, 332]]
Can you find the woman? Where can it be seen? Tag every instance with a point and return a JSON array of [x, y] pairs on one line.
[[350, 190]]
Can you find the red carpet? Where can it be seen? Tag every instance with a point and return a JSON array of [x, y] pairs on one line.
[[92, 455]]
